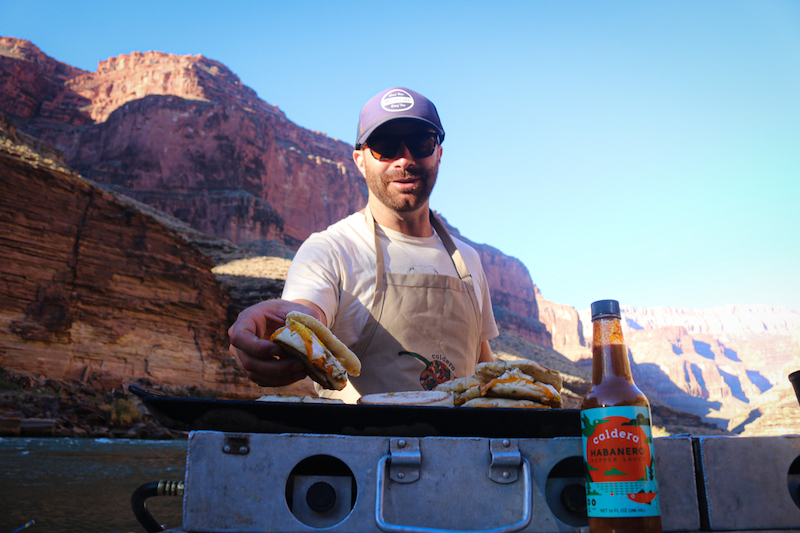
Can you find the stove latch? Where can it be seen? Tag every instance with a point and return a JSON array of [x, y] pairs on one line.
[[236, 444], [405, 460], [505, 460]]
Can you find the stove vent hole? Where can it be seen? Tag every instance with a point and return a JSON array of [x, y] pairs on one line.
[[321, 491], [794, 481], [565, 492]]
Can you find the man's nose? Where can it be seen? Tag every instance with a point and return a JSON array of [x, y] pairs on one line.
[[403, 156]]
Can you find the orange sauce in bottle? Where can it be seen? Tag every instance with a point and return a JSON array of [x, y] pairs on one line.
[[621, 484]]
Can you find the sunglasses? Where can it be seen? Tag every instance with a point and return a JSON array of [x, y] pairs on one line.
[[387, 147]]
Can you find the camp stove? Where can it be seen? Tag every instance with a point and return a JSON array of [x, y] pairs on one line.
[[439, 469]]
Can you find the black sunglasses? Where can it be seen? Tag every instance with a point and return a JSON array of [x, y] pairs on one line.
[[387, 147]]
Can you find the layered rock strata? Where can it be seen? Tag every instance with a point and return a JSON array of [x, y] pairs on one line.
[[184, 135], [91, 283]]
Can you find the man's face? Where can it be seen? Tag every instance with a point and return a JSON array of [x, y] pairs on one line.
[[404, 182]]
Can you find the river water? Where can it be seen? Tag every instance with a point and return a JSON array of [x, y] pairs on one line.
[[85, 485]]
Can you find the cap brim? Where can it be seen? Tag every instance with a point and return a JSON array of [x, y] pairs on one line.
[[372, 128]]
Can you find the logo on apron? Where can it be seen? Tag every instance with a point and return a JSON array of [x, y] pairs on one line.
[[435, 372]]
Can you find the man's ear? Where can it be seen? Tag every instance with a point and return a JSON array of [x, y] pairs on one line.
[[361, 161]]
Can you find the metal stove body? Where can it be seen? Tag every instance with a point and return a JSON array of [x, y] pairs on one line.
[[252, 467], [237, 482]]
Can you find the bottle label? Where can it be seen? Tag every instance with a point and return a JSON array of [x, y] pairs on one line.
[[619, 462]]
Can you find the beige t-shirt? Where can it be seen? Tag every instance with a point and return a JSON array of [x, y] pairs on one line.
[[335, 269]]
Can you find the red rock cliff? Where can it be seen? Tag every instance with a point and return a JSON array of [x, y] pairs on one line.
[[184, 135], [31, 83], [513, 293], [91, 283]]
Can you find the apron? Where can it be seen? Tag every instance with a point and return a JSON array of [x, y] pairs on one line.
[[423, 329]]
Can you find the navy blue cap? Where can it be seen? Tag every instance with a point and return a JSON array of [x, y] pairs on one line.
[[605, 309], [392, 104]]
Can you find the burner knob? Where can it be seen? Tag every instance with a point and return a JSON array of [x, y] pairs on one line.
[[573, 498], [321, 497]]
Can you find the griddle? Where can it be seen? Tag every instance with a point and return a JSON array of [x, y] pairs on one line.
[[190, 414]]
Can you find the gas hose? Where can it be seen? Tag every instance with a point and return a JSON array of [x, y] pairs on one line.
[[148, 490]]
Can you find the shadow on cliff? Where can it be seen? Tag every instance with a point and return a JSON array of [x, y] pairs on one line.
[[654, 382], [758, 380], [751, 417], [735, 384]]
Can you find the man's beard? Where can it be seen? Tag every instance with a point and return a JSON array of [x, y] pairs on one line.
[[400, 201]]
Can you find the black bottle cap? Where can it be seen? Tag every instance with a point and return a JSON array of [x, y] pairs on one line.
[[605, 309]]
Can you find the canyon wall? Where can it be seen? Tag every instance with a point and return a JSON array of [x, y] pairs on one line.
[[727, 364], [566, 329], [93, 285], [183, 134]]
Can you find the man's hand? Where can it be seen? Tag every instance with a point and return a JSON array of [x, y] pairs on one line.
[[261, 360]]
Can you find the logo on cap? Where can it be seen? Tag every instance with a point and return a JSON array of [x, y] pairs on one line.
[[397, 100]]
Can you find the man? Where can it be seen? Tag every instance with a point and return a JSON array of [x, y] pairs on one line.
[[389, 281]]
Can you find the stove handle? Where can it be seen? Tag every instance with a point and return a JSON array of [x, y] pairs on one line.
[[396, 528]]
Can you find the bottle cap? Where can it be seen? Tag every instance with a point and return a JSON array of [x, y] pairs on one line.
[[605, 309]]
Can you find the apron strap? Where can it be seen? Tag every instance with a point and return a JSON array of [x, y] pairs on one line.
[[444, 235], [380, 267], [450, 246]]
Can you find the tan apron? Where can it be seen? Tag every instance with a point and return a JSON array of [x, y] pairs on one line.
[[423, 329]]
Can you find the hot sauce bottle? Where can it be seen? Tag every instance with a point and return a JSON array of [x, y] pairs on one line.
[[621, 483]]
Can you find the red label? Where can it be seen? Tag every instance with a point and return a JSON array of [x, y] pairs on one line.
[[618, 450]]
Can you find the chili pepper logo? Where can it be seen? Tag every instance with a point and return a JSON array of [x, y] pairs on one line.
[[643, 497], [435, 371]]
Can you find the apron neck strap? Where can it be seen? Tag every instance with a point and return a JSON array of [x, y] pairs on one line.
[[450, 246], [438, 227]]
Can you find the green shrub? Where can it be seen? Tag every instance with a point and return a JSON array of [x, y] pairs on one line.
[[123, 413], [5, 384]]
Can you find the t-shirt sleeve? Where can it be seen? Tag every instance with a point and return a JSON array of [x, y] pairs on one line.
[[314, 275], [489, 329]]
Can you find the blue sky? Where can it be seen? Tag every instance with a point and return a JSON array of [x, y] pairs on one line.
[[638, 150]]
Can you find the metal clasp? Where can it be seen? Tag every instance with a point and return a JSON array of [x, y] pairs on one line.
[[405, 460], [505, 460]]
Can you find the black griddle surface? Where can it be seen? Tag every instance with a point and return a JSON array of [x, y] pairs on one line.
[[189, 414]]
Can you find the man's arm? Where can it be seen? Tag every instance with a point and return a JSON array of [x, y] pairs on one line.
[[260, 359], [486, 353], [319, 315]]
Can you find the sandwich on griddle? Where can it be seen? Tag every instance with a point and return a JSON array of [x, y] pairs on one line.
[[463, 389], [327, 359], [488, 371], [508, 384], [515, 384], [488, 401]]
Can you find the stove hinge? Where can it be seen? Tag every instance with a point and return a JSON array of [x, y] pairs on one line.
[[236, 444], [405, 460], [506, 460]]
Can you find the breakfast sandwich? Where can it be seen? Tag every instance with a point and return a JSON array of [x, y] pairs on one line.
[[488, 371], [517, 385], [485, 401], [326, 358], [520, 383], [463, 389]]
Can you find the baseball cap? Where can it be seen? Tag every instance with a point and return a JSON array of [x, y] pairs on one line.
[[394, 103]]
